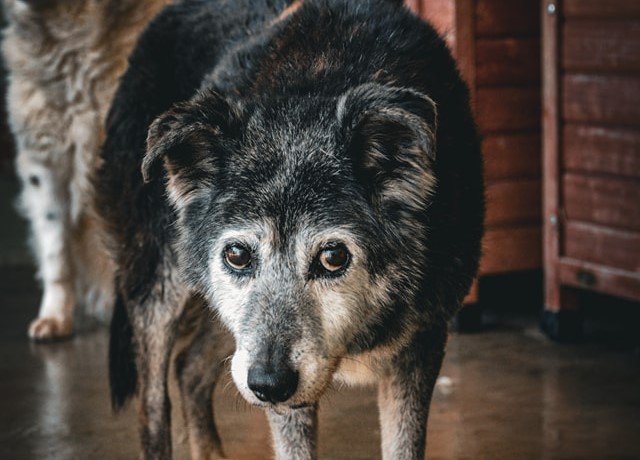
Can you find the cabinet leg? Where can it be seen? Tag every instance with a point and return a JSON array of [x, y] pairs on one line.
[[564, 326]]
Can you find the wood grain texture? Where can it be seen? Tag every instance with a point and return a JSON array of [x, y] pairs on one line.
[[608, 280], [508, 61], [601, 99], [601, 46], [591, 172], [514, 202], [601, 9], [608, 201], [511, 249], [550, 163], [507, 18], [511, 156], [603, 245], [508, 109], [598, 149]]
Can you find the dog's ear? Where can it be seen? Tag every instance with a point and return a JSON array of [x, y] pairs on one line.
[[391, 134], [188, 140]]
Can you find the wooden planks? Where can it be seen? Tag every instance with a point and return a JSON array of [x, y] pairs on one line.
[[508, 61], [511, 156], [620, 9], [500, 18], [606, 279], [612, 100], [608, 201], [602, 245], [511, 249], [592, 148], [508, 112], [513, 202], [507, 109], [600, 149], [599, 46]]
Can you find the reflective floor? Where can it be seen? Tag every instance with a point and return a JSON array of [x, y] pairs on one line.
[[508, 394]]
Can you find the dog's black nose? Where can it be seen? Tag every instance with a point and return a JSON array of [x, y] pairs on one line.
[[272, 385]]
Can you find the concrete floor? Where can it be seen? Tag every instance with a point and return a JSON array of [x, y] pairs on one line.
[[511, 395]]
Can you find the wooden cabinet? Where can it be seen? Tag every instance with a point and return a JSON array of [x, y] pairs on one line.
[[497, 46], [591, 68]]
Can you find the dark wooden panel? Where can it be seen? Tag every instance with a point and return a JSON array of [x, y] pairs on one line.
[[601, 149], [596, 45], [601, 99], [507, 18], [623, 9], [601, 245], [607, 280], [508, 109], [511, 156], [514, 202], [602, 200], [508, 61], [511, 249]]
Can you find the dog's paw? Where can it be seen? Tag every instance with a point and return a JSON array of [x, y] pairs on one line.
[[50, 328]]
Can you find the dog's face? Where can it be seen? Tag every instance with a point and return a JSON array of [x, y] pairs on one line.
[[302, 220]]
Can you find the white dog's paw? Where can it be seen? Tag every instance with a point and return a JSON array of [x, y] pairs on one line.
[[50, 328]]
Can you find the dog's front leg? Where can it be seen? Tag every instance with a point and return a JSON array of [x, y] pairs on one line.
[[198, 367], [154, 324], [295, 433], [404, 396], [45, 201]]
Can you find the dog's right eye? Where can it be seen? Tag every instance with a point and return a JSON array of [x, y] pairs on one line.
[[332, 261], [237, 257]]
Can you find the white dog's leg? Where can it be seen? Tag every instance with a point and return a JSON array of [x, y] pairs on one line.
[[44, 201]]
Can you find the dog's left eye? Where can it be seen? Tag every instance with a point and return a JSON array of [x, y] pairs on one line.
[[334, 258], [237, 257]]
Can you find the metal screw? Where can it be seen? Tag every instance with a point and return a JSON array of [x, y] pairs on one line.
[[553, 220], [551, 8]]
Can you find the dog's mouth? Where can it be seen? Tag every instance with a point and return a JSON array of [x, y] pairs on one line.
[[283, 408]]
